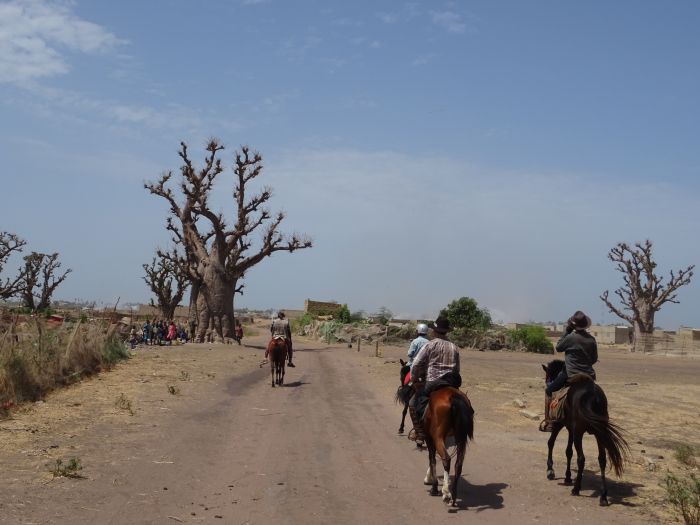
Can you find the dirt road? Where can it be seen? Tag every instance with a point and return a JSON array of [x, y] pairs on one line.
[[225, 447]]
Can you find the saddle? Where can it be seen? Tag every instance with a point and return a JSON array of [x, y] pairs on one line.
[[556, 406]]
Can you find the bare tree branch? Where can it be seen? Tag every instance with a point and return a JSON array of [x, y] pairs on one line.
[[9, 244], [644, 291]]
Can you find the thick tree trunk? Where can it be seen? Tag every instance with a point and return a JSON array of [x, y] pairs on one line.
[[644, 330], [215, 307]]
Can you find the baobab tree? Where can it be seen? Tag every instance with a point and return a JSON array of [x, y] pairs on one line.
[[9, 244], [39, 279], [644, 292], [218, 251], [168, 279]]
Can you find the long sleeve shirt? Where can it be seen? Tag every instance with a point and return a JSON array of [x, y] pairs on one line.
[[415, 347], [435, 359], [580, 352]]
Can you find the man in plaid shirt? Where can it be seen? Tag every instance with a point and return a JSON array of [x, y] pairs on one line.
[[437, 364]]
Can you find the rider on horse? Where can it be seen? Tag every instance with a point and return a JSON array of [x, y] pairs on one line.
[[580, 354], [418, 342], [280, 328], [437, 363]]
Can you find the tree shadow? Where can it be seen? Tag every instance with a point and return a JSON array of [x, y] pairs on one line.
[[295, 384], [259, 347], [478, 497]]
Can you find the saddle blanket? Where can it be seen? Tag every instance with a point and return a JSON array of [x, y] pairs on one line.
[[556, 405]]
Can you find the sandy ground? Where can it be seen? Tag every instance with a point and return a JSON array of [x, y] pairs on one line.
[[227, 448]]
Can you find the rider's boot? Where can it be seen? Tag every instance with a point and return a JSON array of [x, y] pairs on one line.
[[418, 432], [546, 424]]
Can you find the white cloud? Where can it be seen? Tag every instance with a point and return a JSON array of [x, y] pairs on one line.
[[449, 20], [422, 60], [388, 18], [32, 33]]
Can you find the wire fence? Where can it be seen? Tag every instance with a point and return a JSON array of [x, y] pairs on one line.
[[668, 344]]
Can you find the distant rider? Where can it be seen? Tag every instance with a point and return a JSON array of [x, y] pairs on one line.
[[418, 342], [580, 354], [280, 328]]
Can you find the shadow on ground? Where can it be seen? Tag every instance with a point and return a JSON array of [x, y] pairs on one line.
[[479, 497], [295, 384], [618, 491]]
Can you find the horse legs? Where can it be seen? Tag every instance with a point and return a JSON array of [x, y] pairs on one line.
[[569, 455], [550, 446], [580, 463], [282, 374], [461, 449], [272, 373], [602, 460], [446, 460], [431, 478], [403, 417]]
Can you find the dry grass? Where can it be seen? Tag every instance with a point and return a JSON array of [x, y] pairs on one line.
[[36, 358]]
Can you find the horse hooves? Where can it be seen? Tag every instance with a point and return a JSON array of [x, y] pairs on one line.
[[604, 502], [434, 492], [575, 492], [550, 475], [568, 482]]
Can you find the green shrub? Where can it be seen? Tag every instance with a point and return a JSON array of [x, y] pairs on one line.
[[296, 325], [327, 330], [684, 495], [343, 314], [531, 339], [464, 313]]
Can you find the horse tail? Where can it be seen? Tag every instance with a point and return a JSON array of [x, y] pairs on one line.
[[462, 415], [403, 394], [611, 435]]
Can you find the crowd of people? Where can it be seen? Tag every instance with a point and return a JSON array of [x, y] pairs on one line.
[[158, 332]]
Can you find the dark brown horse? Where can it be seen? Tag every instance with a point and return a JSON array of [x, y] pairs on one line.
[[404, 392], [449, 414], [586, 410], [277, 353]]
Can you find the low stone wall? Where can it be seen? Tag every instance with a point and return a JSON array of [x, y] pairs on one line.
[[321, 308]]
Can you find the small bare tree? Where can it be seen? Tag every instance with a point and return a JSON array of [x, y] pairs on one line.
[[644, 292], [39, 279], [167, 278], [217, 252], [9, 243]]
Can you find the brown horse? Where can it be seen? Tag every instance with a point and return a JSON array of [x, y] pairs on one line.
[[586, 410], [449, 414], [277, 353]]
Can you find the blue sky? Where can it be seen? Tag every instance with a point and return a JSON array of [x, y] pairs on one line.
[[431, 149]]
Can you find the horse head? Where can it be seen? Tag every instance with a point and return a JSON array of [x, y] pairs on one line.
[[552, 369], [405, 369]]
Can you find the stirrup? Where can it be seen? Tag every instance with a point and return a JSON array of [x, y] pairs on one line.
[[416, 435]]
